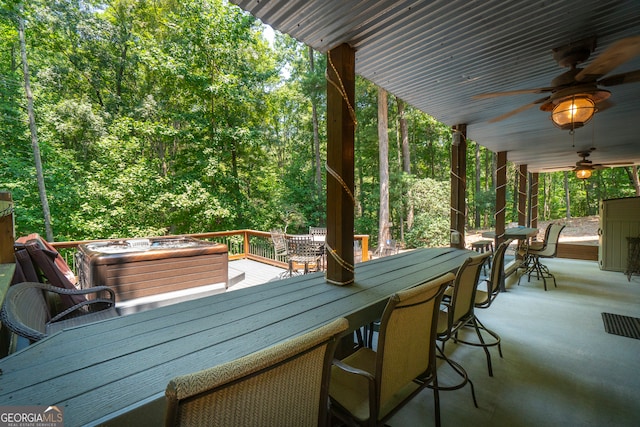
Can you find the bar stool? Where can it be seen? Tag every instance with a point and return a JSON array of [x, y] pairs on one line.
[[482, 246]]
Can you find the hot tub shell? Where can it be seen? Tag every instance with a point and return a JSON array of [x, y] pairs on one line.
[[142, 268]]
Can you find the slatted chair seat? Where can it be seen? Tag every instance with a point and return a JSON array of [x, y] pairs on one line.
[[302, 250]]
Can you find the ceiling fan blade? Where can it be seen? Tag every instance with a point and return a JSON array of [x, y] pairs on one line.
[[618, 164], [512, 92], [619, 79], [518, 110], [558, 169], [604, 105], [614, 56]]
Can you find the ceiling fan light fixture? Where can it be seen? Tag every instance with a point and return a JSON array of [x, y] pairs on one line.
[[573, 112], [583, 173]]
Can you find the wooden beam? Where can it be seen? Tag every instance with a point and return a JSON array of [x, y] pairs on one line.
[[501, 196], [6, 228], [458, 185], [522, 195], [341, 123]]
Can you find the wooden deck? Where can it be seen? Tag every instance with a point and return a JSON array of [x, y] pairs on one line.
[[255, 273]]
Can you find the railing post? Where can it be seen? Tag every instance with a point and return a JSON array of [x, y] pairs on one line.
[[365, 248], [6, 228], [247, 250]]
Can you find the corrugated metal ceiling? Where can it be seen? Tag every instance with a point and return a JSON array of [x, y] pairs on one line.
[[436, 55]]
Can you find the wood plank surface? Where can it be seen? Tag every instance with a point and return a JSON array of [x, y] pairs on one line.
[[108, 368]]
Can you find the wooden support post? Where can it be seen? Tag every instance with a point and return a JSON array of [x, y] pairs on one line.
[[534, 200], [501, 196], [458, 185], [7, 261], [6, 228], [341, 122], [522, 195]]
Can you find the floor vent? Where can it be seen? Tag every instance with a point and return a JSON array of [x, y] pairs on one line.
[[625, 326]]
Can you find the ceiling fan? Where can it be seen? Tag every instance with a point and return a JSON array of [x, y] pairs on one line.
[[584, 167], [576, 92]]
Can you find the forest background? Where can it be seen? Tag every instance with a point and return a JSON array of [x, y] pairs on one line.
[[163, 117]]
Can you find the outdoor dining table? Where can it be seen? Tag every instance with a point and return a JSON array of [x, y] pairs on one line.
[[520, 233], [115, 372]]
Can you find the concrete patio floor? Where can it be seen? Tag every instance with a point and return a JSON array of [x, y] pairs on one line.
[[560, 367]]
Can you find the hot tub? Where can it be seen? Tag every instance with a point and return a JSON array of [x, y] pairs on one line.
[[148, 270]]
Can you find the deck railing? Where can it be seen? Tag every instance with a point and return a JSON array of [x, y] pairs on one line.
[[249, 244]]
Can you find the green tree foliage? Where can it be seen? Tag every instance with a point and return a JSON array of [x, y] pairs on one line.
[[173, 116], [431, 200]]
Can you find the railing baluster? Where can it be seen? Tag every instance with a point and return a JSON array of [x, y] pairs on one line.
[[258, 245]]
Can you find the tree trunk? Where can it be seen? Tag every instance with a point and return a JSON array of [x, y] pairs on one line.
[[587, 194], [516, 183], [383, 143], [34, 131], [475, 196], [316, 133], [635, 179], [400, 213], [547, 192], [406, 157], [567, 198]]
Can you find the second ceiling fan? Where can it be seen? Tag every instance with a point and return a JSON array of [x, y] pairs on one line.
[[584, 166], [576, 94]]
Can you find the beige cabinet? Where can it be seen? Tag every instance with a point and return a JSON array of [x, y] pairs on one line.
[[619, 219]]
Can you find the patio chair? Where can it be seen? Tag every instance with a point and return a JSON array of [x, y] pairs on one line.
[[369, 387], [279, 244], [50, 268], [284, 385], [318, 237], [318, 232], [458, 312], [59, 262], [549, 249], [302, 250], [482, 246], [281, 252], [26, 313], [25, 271], [486, 293]]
